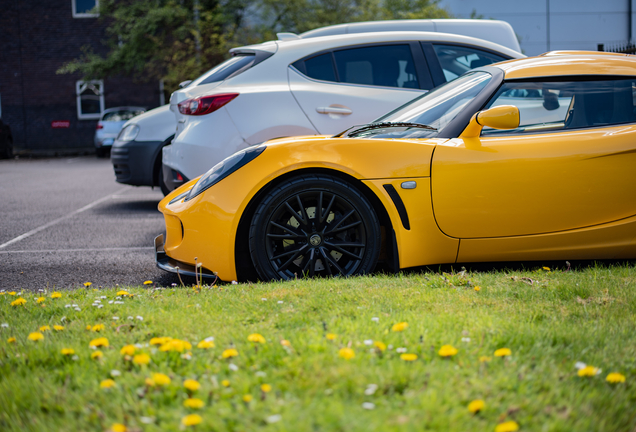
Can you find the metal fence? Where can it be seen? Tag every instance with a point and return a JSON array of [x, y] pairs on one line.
[[627, 48]]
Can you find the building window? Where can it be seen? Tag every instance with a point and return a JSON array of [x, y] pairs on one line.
[[90, 99], [85, 8]]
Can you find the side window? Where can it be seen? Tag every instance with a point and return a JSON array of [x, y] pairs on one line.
[[90, 99], [85, 8], [321, 68], [384, 65], [546, 106], [455, 60]]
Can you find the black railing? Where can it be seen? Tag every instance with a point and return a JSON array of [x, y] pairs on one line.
[[627, 48]]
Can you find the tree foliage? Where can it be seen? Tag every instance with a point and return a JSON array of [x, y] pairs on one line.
[[175, 40]]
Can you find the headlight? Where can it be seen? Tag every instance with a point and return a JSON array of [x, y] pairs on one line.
[[128, 133], [224, 168]]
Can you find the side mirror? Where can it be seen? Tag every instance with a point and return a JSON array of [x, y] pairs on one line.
[[499, 117]]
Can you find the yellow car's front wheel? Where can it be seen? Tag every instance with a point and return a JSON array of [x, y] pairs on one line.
[[314, 225]]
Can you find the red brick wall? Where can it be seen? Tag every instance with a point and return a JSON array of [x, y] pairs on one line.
[[36, 38]]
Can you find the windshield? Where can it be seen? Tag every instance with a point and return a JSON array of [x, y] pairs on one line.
[[436, 109]]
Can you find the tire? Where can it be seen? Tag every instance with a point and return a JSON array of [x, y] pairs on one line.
[[314, 225], [162, 183]]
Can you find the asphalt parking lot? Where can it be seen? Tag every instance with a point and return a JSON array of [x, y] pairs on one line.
[[65, 221]]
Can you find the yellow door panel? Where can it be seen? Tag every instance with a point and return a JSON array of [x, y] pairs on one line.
[[614, 240], [423, 243], [534, 183]]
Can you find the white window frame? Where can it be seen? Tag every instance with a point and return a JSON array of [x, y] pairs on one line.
[[84, 15], [79, 86]]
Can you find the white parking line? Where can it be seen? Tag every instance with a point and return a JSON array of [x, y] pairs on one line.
[[58, 220], [140, 248]]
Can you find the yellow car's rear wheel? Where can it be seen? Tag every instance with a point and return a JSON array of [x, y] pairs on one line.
[[314, 225]]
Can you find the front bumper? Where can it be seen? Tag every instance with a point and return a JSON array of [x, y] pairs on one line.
[[134, 162], [164, 262]]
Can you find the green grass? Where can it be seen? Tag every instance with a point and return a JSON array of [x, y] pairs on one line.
[[549, 320]]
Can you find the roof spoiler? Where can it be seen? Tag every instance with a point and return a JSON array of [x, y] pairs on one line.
[[287, 36]]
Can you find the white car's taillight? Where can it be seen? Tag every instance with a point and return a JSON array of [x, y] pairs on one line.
[[205, 104]]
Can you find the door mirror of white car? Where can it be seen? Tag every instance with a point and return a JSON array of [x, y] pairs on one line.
[[499, 117]]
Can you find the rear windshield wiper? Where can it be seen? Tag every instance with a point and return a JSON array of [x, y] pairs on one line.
[[372, 126]]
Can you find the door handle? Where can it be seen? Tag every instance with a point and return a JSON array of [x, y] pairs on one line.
[[341, 110]]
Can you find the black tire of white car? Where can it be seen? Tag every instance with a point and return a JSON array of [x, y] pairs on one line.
[[314, 225]]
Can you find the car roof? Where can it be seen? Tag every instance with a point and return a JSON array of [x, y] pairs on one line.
[[496, 31], [563, 63], [123, 108], [302, 47]]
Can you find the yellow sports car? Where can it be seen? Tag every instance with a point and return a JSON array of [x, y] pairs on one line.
[[531, 159]]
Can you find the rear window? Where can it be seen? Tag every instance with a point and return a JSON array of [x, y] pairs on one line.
[[231, 66], [121, 115]]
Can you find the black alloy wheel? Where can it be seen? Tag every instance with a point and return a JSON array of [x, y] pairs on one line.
[[314, 225]]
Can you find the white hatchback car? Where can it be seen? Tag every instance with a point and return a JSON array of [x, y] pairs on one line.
[[320, 85]]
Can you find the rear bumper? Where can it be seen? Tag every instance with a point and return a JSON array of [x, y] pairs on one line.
[[164, 262]]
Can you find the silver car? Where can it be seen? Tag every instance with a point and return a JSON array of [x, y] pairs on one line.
[[110, 124]]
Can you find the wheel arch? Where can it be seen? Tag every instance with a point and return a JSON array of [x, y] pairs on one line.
[[245, 268]]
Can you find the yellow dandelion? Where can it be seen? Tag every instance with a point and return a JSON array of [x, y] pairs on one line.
[[399, 327], [247, 398], [118, 427], [41, 299], [191, 420], [107, 383], [97, 327], [89, 327], [56, 295], [346, 353], [229, 353], [123, 293], [225, 383], [477, 288], [13, 293], [99, 342], [192, 385], [256, 338], [175, 345], [379, 345], [160, 340], [193, 403], [546, 268], [503, 352], [11, 340], [45, 328], [408, 357], [127, 350], [97, 355], [141, 359], [87, 284], [476, 406], [447, 351], [149, 382], [331, 336], [161, 379], [285, 342], [36, 336], [588, 371], [615, 378], [18, 302], [484, 359], [206, 344], [266, 388], [148, 282], [58, 327], [509, 426], [67, 351]]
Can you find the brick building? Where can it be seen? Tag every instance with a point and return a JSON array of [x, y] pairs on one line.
[[50, 113]]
